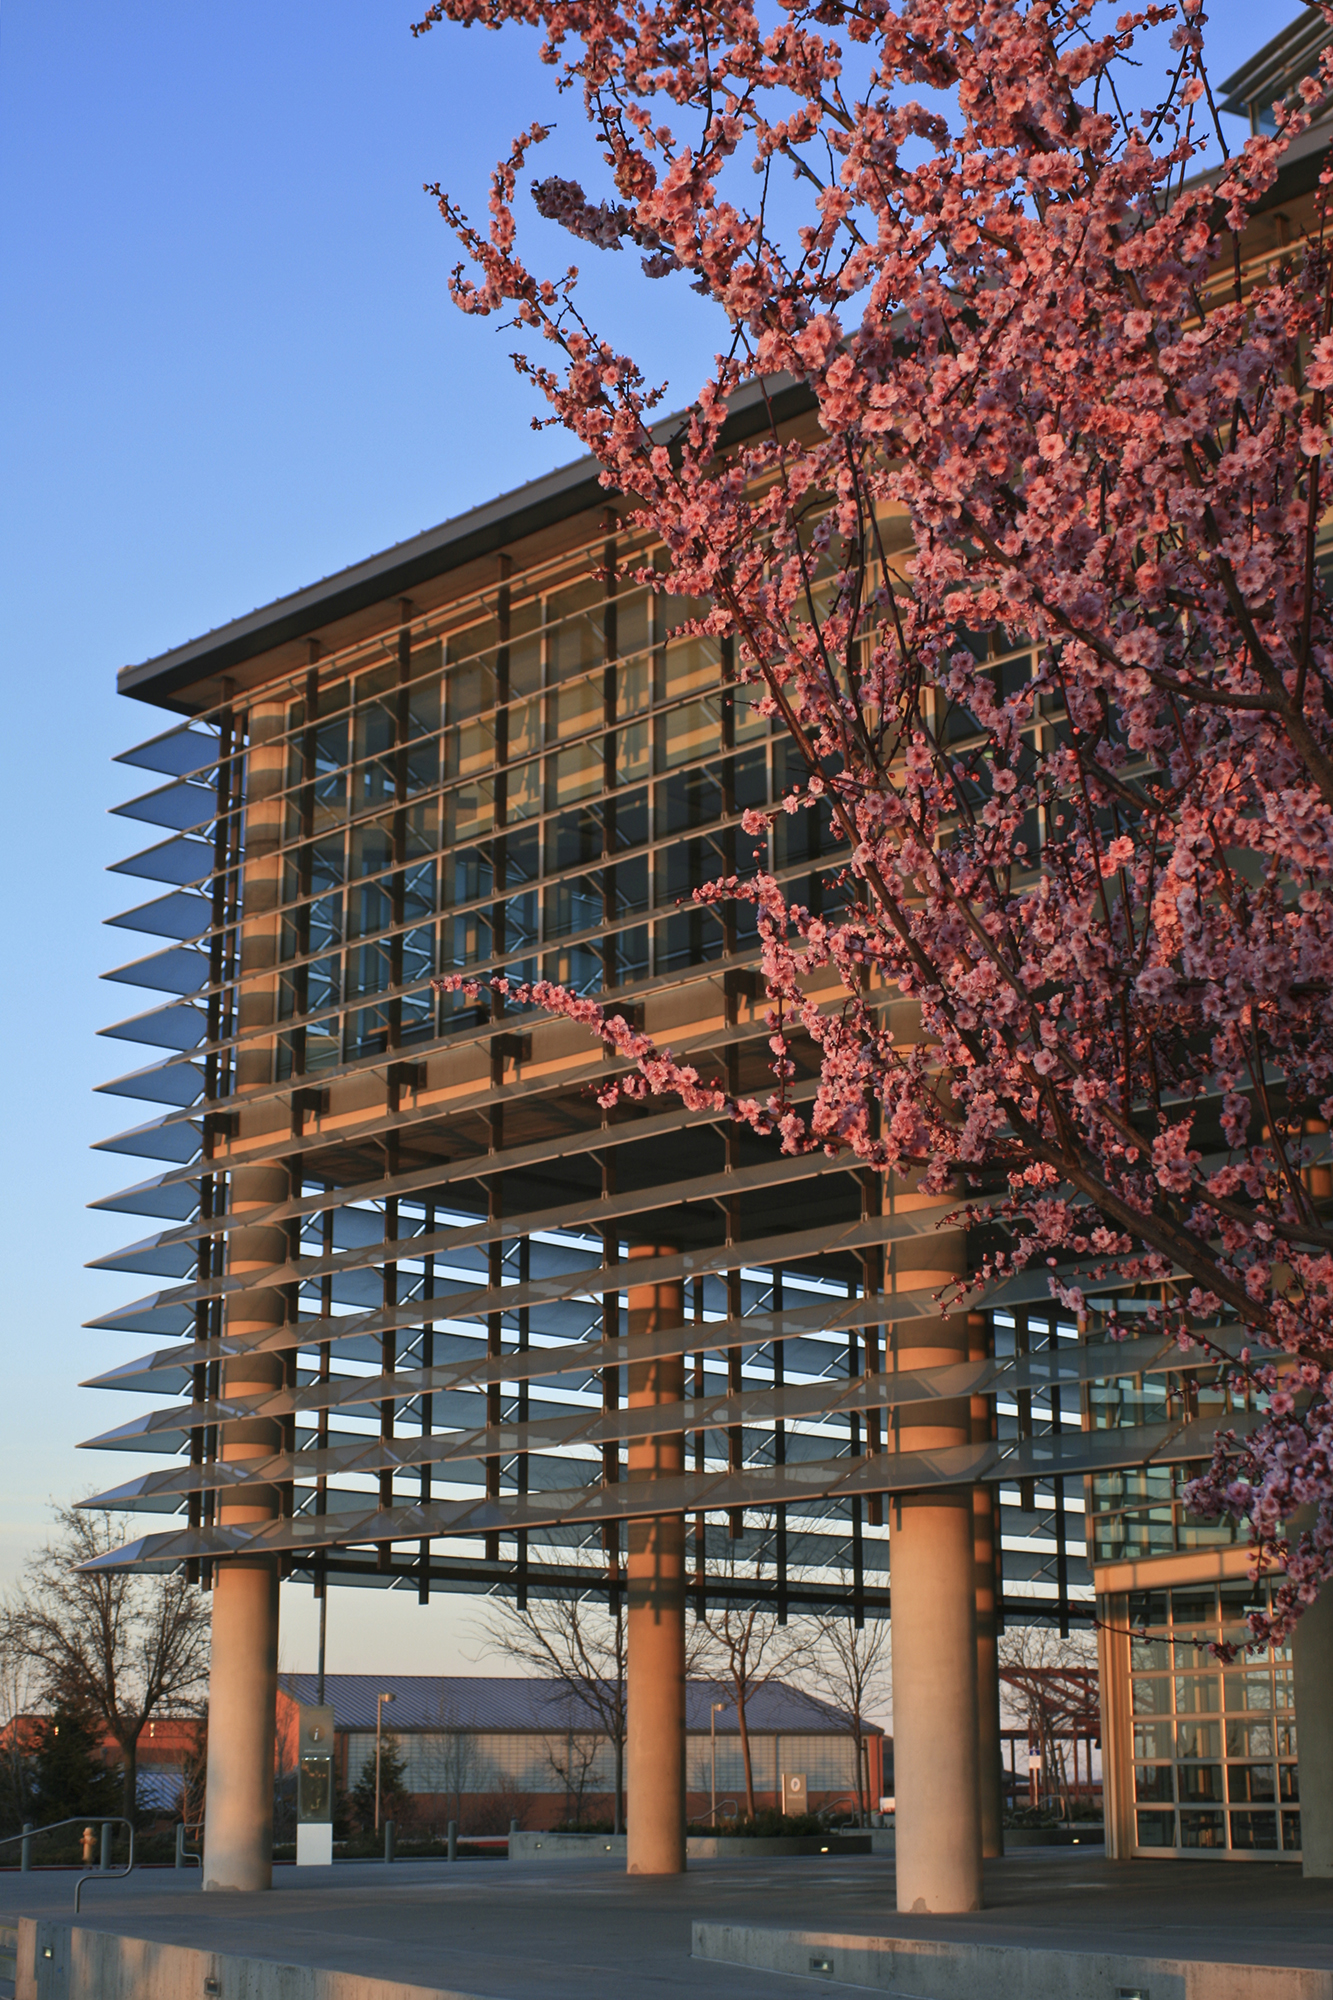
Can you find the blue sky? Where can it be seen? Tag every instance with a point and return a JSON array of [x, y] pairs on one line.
[[230, 367]]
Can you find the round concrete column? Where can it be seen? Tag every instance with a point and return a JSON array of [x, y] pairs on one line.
[[990, 1768], [1312, 1659], [932, 1578], [655, 1594], [243, 1674]]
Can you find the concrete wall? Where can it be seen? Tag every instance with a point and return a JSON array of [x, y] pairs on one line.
[[929, 1970], [60, 1961]]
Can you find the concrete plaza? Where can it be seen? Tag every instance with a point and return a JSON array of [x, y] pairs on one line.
[[566, 1930]]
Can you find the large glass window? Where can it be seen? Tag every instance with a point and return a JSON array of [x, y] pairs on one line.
[[1214, 1745]]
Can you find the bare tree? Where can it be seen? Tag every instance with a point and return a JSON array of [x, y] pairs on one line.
[[573, 1757], [742, 1647], [462, 1767], [118, 1648], [18, 1697], [575, 1641], [846, 1667]]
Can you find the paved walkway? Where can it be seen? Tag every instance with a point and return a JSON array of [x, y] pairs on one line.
[[510, 1930]]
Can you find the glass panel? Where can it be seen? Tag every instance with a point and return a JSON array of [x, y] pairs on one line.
[[1153, 1784], [634, 687], [1249, 1690], [314, 1791], [525, 724], [576, 773], [1156, 1829], [1199, 1694], [1202, 1828], [1291, 1832], [576, 709], [634, 621], [580, 968], [1250, 1739], [469, 812], [1152, 1697], [576, 645], [1152, 1739], [687, 734], [749, 723], [689, 663], [633, 754], [1198, 1739], [1289, 1786], [1249, 1782], [1200, 1781], [1254, 1829], [523, 790], [1145, 1654]]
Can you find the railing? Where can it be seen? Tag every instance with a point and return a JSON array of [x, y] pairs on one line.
[[186, 1855], [729, 1808], [105, 1820]]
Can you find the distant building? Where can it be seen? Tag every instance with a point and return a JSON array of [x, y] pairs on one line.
[[485, 1749]]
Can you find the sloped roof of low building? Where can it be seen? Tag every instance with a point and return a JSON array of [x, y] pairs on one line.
[[499, 1702]]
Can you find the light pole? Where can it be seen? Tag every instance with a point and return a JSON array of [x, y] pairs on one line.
[[712, 1731], [380, 1700]]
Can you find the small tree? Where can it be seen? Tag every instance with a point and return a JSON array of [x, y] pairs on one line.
[[70, 1774], [847, 1667], [394, 1796], [113, 1647], [580, 1645]]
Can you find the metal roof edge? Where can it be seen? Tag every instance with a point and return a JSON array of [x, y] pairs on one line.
[[483, 530], [1272, 60]]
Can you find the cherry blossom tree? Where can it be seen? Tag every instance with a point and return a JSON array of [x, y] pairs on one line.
[[1033, 588]]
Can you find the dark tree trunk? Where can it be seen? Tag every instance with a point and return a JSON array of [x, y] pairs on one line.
[[129, 1795], [745, 1750]]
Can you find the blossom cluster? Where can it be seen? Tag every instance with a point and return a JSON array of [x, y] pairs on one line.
[[1035, 593]]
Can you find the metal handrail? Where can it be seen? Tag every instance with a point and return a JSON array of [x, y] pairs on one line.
[[83, 1819], [720, 1807]]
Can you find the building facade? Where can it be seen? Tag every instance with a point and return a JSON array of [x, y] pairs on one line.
[[485, 1749]]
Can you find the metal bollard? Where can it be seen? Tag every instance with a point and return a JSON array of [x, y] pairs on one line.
[[453, 1840], [390, 1838], [106, 1847], [25, 1850], [180, 1845]]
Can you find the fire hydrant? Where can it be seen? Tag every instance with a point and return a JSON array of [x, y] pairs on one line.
[[89, 1841]]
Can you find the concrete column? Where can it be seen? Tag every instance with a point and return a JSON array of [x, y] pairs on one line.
[[1312, 1659], [932, 1577], [242, 1686], [986, 1556], [655, 1600]]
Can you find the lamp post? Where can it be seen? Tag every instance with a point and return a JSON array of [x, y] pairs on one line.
[[712, 1731], [380, 1700]]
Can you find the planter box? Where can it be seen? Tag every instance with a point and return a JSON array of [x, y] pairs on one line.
[[735, 1847], [565, 1846], [1091, 1835], [698, 1847]]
